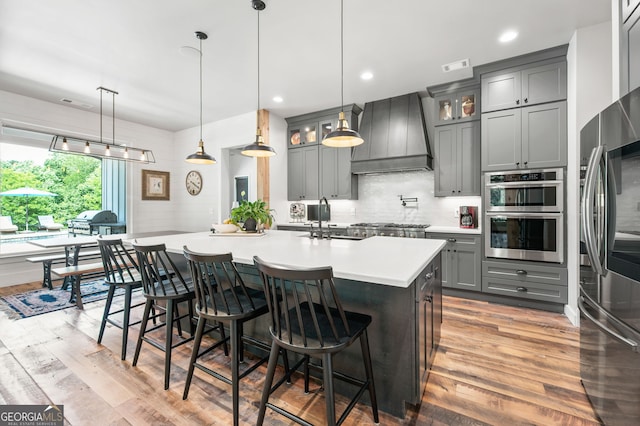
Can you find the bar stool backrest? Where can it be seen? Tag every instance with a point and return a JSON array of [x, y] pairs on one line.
[[119, 265], [160, 276], [304, 306], [220, 290]]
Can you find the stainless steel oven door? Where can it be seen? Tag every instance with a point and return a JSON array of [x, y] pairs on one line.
[[546, 196], [525, 236]]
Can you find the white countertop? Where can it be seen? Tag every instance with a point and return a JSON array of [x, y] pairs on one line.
[[453, 230], [382, 260]]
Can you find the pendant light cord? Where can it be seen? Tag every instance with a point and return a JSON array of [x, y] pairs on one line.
[[113, 109], [341, 54], [258, 112], [99, 88], [200, 38]]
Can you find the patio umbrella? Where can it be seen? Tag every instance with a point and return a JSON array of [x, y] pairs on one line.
[[27, 192]]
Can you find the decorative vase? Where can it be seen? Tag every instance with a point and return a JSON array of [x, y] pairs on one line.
[[250, 225]]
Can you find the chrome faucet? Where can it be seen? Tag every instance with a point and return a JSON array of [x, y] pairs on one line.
[[320, 215]]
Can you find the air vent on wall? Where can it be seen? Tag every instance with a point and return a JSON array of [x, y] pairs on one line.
[[76, 103], [457, 65]]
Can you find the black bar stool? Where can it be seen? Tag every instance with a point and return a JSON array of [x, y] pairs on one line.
[[120, 271], [307, 318], [223, 297], [162, 284]]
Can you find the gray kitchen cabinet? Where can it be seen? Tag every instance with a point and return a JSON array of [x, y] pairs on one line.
[[303, 174], [528, 280], [457, 159], [336, 180], [630, 51], [429, 319], [313, 170], [529, 137], [525, 85], [457, 106], [461, 260]]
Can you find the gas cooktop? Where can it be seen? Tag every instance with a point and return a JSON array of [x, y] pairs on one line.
[[409, 230]]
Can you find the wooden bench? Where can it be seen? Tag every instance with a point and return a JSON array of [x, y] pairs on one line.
[[60, 258], [75, 273]]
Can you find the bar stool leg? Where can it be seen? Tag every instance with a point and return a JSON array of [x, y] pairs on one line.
[[235, 367], [168, 341], [366, 355], [194, 355], [105, 315], [143, 329], [327, 373], [125, 321], [268, 380]]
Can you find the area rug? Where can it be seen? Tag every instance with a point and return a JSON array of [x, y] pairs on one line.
[[36, 302]]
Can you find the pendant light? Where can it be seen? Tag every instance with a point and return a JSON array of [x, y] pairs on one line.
[[342, 137], [200, 157], [258, 148]]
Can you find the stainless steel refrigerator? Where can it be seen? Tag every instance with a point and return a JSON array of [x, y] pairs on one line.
[[609, 299]]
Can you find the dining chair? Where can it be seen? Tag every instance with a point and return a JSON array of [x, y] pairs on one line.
[[223, 297], [307, 318], [120, 271], [165, 289]]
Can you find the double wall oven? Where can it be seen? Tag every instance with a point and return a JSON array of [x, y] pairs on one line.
[[524, 215]]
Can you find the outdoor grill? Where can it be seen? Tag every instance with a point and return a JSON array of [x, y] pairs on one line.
[[92, 222]]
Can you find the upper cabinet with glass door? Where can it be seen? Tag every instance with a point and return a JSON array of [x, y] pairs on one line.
[[458, 106], [303, 134]]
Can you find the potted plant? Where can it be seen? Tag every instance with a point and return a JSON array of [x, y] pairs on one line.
[[252, 214]]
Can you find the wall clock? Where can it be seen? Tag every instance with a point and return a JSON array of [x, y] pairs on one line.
[[193, 182]]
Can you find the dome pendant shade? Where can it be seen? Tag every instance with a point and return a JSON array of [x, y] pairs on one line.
[[258, 148], [343, 136], [200, 157]]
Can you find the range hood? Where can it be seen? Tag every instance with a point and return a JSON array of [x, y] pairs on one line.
[[395, 137]]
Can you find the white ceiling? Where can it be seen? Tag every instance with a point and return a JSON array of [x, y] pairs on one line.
[[67, 48]]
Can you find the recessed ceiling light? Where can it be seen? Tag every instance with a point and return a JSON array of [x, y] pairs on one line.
[[277, 99], [367, 75], [508, 36]]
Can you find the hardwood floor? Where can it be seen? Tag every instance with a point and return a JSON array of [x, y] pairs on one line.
[[496, 365]]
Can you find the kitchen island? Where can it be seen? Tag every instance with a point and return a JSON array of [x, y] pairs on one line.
[[395, 280]]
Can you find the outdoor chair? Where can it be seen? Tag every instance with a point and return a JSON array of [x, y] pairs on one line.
[[47, 223], [6, 225]]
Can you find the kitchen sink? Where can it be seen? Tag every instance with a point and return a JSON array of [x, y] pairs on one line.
[[334, 237]]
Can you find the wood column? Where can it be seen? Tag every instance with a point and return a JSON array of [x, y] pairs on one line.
[[263, 162]]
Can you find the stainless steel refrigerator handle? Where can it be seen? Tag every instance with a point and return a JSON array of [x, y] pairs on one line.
[[632, 344], [587, 209]]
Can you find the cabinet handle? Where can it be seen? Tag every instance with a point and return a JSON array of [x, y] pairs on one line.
[[521, 272], [525, 163], [428, 275], [518, 164], [521, 289], [517, 101], [453, 191], [451, 240], [428, 299], [526, 100]]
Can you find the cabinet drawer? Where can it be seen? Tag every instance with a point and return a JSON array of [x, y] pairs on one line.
[[525, 272], [526, 290]]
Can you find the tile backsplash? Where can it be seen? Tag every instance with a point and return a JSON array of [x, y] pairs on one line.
[[379, 201]]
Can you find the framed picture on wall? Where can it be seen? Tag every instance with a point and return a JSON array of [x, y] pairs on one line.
[[155, 185]]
